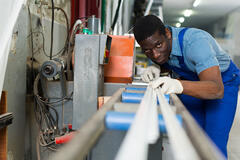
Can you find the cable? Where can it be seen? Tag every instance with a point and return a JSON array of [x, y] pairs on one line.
[[43, 45], [52, 29], [65, 48], [44, 117], [56, 114], [67, 25], [47, 117], [68, 97], [69, 54], [116, 15], [66, 41]]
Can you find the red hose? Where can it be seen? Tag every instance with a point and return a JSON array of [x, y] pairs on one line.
[[65, 138]]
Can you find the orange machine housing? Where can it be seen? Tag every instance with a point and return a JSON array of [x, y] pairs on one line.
[[120, 65]]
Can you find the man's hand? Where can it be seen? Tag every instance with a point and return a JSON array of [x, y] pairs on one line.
[[151, 73], [168, 85]]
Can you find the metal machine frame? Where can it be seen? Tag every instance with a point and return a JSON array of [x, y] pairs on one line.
[[88, 76]]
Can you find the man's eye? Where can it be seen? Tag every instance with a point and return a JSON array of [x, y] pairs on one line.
[[159, 45]]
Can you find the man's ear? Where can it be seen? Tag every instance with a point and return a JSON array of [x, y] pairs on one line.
[[168, 33]]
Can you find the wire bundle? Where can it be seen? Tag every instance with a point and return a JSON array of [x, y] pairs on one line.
[[47, 118]]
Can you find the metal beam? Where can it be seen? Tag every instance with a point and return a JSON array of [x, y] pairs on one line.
[[204, 146]]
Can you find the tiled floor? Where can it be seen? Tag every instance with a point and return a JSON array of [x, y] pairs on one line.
[[234, 139]]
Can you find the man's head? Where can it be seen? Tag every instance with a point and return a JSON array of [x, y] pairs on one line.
[[154, 38]]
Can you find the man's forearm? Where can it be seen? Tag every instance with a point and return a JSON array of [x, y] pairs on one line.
[[203, 89]]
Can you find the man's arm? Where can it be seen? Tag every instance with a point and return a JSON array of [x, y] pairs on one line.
[[210, 85]]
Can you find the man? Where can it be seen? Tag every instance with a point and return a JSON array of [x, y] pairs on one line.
[[208, 81]]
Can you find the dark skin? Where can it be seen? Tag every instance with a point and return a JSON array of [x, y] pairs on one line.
[[158, 48]]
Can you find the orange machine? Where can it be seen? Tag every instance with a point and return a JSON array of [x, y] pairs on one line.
[[120, 66]]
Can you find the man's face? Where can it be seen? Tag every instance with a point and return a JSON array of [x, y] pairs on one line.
[[157, 47]]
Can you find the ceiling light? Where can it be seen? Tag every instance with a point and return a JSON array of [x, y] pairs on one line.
[[196, 3], [181, 19], [188, 12], [178, 24]]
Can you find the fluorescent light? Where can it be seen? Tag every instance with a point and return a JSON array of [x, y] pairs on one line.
[[196, 3], [187, 12], [181, 19], [178, 24]]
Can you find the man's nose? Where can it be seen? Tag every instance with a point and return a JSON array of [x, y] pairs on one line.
[[155, 53]]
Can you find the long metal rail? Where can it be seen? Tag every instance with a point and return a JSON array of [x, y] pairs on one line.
[[204, 146], [177, 136]]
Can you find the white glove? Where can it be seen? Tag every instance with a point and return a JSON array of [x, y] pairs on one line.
[[151, 73], [168, 85]]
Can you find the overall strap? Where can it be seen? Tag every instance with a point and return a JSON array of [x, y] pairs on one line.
[[180, 37], [183, 71], [180, 58]]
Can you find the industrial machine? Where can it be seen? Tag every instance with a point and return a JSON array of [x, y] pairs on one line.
[[90, 56], [94, 139], [98, 134], [69, 104], [103, 67]]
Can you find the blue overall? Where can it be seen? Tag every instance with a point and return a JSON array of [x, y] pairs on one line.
[[214, 116]]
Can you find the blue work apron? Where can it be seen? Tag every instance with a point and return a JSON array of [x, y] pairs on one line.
[[214, 116]]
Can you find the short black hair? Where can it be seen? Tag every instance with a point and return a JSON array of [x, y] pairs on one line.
[[146, 26]]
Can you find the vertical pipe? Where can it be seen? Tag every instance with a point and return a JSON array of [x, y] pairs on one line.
[[94, 24], [99, 7], [114, 11], [160, 12], [93, 8], [108, 15], [148, 7], [120, 19], [82, 8], [76, 10], [73, 13], [103, 15], [88, 7]]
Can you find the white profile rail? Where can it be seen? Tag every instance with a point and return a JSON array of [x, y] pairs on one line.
[[181, 145], [143, 131]]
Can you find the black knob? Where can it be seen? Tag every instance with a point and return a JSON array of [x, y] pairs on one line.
[[48, 70]]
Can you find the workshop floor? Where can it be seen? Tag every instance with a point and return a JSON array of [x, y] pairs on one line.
[[234, 139]]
